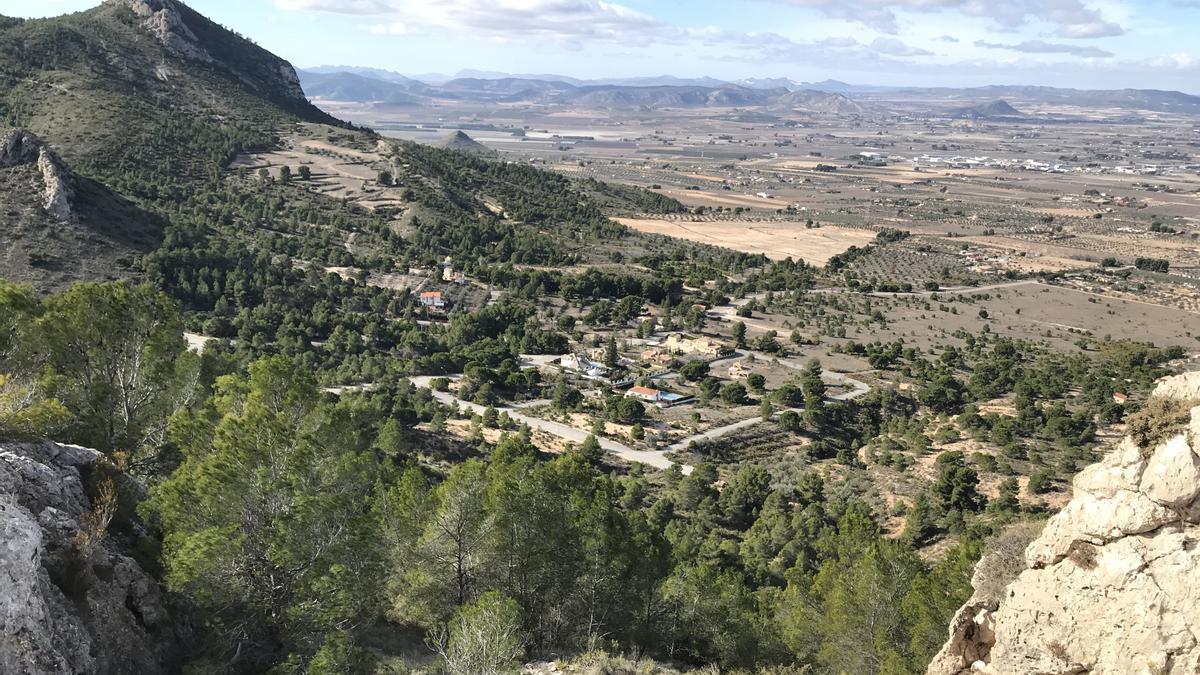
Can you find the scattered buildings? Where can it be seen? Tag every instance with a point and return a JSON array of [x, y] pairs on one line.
[[705, 347], [432, 300]]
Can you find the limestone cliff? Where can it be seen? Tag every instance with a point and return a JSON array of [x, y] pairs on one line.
[[189, 36], [18, 147], [72, 601], [1112, 584]]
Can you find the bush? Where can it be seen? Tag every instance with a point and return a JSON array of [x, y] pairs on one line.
[[1160, 419], [23, 414]]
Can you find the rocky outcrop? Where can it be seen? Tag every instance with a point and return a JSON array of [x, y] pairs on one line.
[[71, 602], [19, 147], [1112, 584], [58, 182], [165, 21]]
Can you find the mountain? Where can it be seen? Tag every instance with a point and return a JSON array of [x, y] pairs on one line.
[[1153, 100], [341, 86], [372, 73], [461, 141], [831, 86], [1109, 586], [144, 85], [669, 96], [809, 100], [504, 88], [60, 227], [769, 83], [471, 74], [997, 108]]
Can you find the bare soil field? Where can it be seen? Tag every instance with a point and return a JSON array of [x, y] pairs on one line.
[[775, 240], [339, 172], [1052, 314]]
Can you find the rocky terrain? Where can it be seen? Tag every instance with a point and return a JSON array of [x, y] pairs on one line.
[[1112, 584], [61, 227], [58, 184], [74, 599]]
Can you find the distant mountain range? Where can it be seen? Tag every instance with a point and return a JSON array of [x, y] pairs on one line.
[[356, 84], [362, 85]]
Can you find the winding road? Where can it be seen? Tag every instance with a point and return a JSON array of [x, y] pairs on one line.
[[654, 458]]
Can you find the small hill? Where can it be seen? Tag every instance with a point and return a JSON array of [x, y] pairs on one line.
[[997, 108], [60, 227], [461, 141], [810, 100]]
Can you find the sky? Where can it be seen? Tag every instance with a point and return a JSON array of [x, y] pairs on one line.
[[1105, 44]]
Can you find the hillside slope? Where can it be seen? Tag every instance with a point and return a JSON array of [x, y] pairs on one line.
[[143, 85], [61, 227]]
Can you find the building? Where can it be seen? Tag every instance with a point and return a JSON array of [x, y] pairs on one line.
[[705, 347], [584, 366], [1119, 398], [432, 300], [658, 357], [662, 399], [646, 394], [739, 370]]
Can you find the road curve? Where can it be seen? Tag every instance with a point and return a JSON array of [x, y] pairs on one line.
[[654, 458]]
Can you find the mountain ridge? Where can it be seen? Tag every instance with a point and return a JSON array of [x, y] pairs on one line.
[[667, 91]]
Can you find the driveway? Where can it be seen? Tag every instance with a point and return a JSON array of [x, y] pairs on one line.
[[654, 458]]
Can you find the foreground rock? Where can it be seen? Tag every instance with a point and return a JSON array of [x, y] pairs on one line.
[[1112, 584], [70, 601]]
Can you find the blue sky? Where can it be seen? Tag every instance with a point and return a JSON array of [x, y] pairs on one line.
[[1082, 43]]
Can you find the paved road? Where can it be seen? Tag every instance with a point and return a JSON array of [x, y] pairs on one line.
[[654, 458]]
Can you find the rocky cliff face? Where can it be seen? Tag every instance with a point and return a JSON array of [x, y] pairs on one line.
[[18, 147], [1112, 584], [70, 602], [164, 20], [187, 35]]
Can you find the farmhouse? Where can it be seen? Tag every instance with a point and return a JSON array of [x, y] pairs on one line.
[[677, 343], [662, 399], [583, 365], [432, 299]]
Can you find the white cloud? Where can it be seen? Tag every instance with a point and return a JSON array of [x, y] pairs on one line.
[[1071, 18], [1042, 47], [509, 20], [895, 47]]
